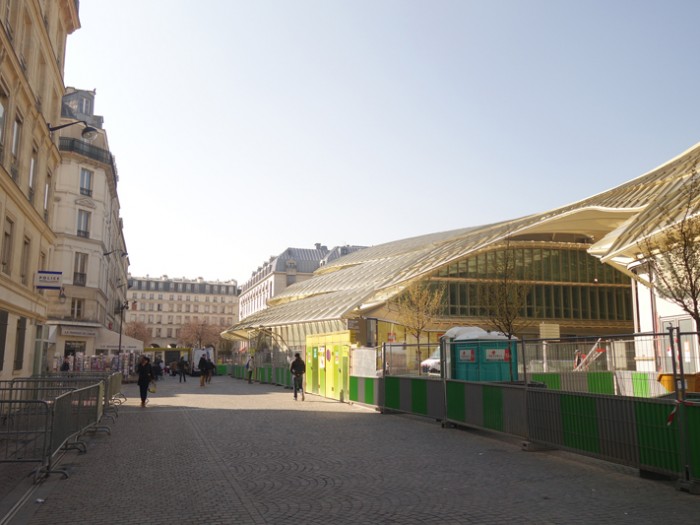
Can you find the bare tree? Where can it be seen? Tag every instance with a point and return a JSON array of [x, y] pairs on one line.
[[505, 296], [417, 308], [673, 255], [199, 334], [139, 331]]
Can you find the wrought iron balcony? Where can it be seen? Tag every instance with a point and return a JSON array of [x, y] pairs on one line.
[[82, 148]]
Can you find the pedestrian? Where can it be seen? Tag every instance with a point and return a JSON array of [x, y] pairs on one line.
[[145, 372], [156, 368], [202, 365], [210, 369], [181, 365], [298, 369], [65, 366], [250, 368], [578, 359]]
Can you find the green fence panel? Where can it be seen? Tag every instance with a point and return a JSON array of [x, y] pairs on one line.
[[640, 384], [658, 440], [354, 389], [419, 396], [370, 398], [579, 420], [601, 383], [493, 407], [455, 401], [553, 381], [392, 393], [692, 414]]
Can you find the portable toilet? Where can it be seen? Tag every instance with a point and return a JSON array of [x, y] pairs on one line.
[[478, 355]]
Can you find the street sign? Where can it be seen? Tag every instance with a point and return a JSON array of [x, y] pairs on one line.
[[46, 280]]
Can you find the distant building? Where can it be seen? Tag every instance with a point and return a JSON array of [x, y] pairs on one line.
[[164, 305], [293, 265]]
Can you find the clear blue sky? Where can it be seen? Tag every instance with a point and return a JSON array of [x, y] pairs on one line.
[[242, 128]]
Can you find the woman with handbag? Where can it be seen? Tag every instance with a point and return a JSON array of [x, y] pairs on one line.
[[145, 372]]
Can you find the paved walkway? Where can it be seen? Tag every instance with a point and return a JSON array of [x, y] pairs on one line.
[[238, 453]]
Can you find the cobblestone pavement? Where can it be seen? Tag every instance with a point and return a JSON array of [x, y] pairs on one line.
[[238, 453]]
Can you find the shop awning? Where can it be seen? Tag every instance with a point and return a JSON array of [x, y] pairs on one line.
[[109, 340]]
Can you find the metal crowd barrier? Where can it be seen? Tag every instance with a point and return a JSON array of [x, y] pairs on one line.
[[113, 396], [33, 430]]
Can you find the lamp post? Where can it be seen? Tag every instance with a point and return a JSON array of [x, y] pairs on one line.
[[122, 306], [89, 133]]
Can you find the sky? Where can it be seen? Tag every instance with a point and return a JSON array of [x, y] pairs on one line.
[[241, 128]]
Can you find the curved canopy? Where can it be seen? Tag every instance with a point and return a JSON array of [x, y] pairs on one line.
[[612, 221]]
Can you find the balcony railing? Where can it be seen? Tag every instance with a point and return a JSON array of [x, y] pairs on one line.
[[84, 233], [86, 191], [79, 279], [87, 150]]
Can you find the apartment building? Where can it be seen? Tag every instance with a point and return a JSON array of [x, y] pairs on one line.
[[90, 249], [293, 265], [33, 36], [164, 305]]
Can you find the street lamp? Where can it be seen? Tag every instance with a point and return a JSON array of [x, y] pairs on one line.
[[122, 306], [122, 254], [89, 133]]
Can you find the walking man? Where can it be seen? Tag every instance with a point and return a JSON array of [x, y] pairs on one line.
[[298, 369], [202, 365], [145, 372], [181, 369], [250, 368]]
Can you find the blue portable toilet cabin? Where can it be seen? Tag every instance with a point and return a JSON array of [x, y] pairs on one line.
[[478, 355]]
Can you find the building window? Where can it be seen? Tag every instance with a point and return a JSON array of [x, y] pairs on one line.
[[4, 317], [7, 241], [86, 182], [77, 308], [19, 343], [84, 224], [80, 269], [74, 347], [16, 137], [3, 112], [47, 196], [32, 176], [24, 262]]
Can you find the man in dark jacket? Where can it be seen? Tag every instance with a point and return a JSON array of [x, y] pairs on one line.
[[182, 368], [298, 369], [145, 372], [202, 365]]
